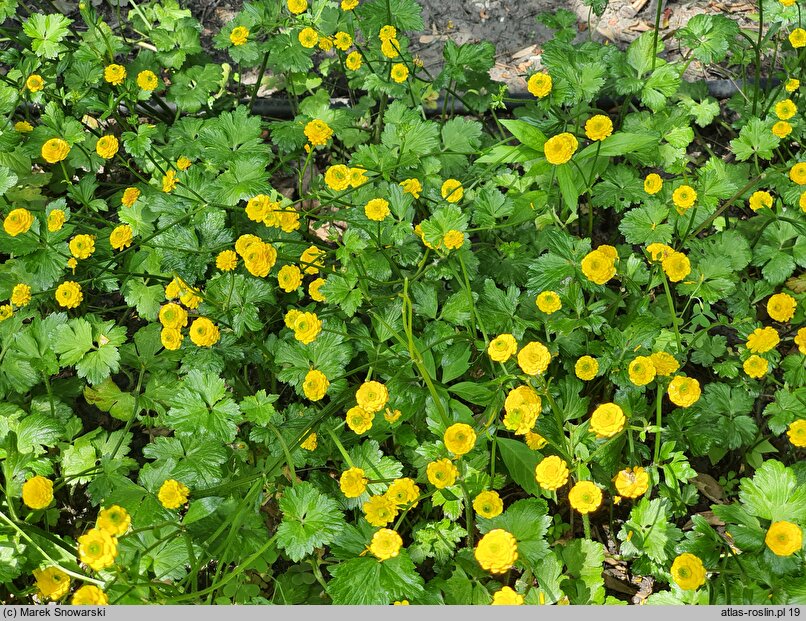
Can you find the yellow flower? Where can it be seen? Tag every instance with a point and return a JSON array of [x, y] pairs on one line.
[[684, 391], [677, 266], [315, 385], [353, 61], [607, 420], [539, 84], [342, 41], [403, 492], [642, 371], [6, 312], [459, 439], [802, 202], [348, 5], [784, 538], [797, 38], [169, 181], [318, 132], [97, 549], [632, 482], [21, 295], [289, 278], [763, 340], [379, 510], [792, 84], [297, 6], [385, 543], [399, 72], [684, 198], [89, 595], [308, 37], [785, 109], [130, 196], [173, 316], [387, 32], [756, 366], [665, 364], [23, 127], [358, 177], [800, 340], [309, 259], [797, 433], [115, 520], [453, 239], [522, 407], [239, 35], [412, 186], [551, 473], [55, 150], [391, 416], [585, 497], [598, 127], [390, 47], [760, 199], [204, 332], [781, 307], [226, 260], [183, 163], [535, 441], [688, 572], [56, 220], [658, 252], [502, 347], [488, 504], [314, 290], [352, 482], [18, 221], [258, 207], [372, 396], [37, 492], [598, 267], [35, 83], [548, 302], [534, 358], [507, 597], [653, 183], [309, 444], [114, 74], [307, 327], [171, 338], [107, 146], [68, 294], [147, 80], [781, 129], [452, 190], [359, 420], [173, 494], [586, 368], [798, 173], [121, 237], [337, 177], [559, 149], [441, 473], [258, 258], [82, 246], [377, 209], [497, 551], [787, 2], [72, 264], [52, 583]]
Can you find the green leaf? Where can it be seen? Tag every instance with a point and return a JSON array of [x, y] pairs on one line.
[[520, 461], [365, 580], [190, 89], [310, 520], [528, 521], [47, 32], [584, 560], [436, 540], [646, 225], [647, 531], [755, 138], [774, 494], [202, 407], [526, 133], [708, 36]]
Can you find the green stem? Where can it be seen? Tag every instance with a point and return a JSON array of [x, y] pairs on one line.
[[658, 423], [340, 446], [670, 302], [586, 521], [758, 53], [658, 13]]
